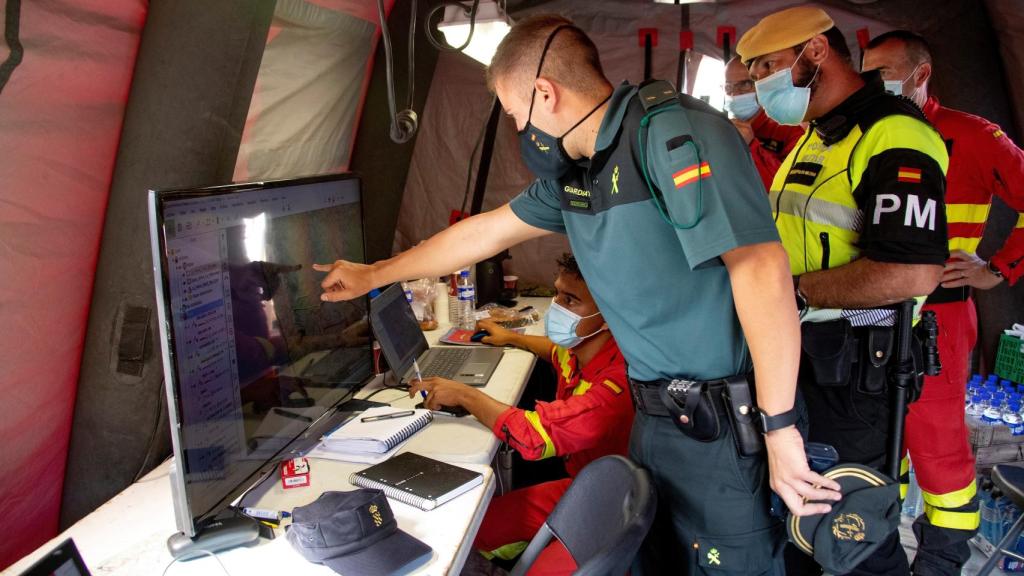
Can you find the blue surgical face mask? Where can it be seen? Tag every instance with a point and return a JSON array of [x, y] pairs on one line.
[[783, 101], [896, 86], [742, 106], [560, 325], [543, 153]]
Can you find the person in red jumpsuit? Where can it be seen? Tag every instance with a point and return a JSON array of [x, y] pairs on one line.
[[769, 141], [590, 417], [982, 162]]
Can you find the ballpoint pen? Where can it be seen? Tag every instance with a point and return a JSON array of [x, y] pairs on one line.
[[401, 414], [419, 376]]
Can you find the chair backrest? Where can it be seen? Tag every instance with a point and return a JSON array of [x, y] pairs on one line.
[[601, 519]]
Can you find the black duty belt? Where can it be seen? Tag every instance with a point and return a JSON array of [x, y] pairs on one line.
[[945, 295], [647, 399]]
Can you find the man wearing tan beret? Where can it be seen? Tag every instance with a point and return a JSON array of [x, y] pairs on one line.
[[859, 207]]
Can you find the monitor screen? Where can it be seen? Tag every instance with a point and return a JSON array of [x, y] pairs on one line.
[[252, 356]]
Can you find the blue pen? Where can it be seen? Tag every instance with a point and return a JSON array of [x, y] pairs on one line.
[[419, 376]]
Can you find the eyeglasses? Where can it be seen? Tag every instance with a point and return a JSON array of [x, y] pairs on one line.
[[741, 87]]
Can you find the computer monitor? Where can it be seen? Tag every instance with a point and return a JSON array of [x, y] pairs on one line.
[[255, 363]]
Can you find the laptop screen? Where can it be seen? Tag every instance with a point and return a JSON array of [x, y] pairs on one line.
[[396, 329], [63, 560], [255, 357]]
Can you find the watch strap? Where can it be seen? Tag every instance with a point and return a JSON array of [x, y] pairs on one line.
[[770, 423]]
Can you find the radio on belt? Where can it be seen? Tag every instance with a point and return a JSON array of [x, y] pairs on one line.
[[295, 473]]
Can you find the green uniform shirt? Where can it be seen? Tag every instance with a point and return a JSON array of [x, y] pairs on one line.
[[664, 292]]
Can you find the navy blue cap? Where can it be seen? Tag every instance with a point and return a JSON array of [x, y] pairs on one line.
[[354, 533], [857, 525]]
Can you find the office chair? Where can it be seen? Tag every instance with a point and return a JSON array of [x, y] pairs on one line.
[[601, 519], [1009, 479]]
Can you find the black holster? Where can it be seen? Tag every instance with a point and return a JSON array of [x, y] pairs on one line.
[[864, 357], [696, 409]]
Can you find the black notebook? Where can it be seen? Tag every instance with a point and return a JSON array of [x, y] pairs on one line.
[[417, 480]]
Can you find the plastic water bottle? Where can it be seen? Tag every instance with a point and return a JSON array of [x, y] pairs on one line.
[[912, 503], [467, 301], [993, 414], [1011, 419], [974, 409]]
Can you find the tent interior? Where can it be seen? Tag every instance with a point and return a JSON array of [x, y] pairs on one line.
[[101, 101]]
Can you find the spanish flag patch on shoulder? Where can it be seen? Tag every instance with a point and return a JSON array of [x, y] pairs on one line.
[[691, 174], [910, 175]]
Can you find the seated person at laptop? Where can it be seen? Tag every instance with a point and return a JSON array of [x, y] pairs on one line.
[[590, 417]]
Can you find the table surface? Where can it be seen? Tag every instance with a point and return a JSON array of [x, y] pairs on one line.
[[128, 534]]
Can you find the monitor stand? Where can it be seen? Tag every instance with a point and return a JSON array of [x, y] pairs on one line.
[[220, 534]]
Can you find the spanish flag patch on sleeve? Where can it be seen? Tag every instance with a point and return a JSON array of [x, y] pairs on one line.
[[909, 175], [692, 174]]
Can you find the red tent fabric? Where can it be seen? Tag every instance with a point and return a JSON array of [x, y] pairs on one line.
[[60, 119]]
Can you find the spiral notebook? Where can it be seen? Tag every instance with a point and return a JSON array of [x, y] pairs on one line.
[[378, 436], [417, 480]]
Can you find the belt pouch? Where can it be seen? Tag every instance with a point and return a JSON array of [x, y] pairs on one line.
[[691, 401], [831, 349], [740, 404], [878, 346]]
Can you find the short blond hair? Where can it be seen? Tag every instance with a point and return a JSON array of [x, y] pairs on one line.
[[572, 59]]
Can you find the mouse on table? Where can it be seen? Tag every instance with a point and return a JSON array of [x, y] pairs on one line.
[[479, 336]]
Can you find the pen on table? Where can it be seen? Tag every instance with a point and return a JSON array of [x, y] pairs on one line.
[[419, 376], [402, 414], [290, 414]]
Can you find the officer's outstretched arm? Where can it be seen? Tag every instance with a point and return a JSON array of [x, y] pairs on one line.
[[763, 292], [467, 242]]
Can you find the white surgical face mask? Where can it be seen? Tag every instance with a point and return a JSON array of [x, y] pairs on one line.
[[742, 106], [782, 100]]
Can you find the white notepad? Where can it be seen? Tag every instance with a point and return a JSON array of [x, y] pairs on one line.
[[379, 436]]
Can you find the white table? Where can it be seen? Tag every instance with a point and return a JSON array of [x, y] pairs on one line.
[[128, 534]]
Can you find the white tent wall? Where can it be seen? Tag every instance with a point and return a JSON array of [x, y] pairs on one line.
[[305, 106]]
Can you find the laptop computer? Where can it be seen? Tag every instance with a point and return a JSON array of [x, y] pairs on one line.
[[402, 341], [64, 560]]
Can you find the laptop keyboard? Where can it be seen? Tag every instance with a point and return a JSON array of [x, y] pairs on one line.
[[446, 362]]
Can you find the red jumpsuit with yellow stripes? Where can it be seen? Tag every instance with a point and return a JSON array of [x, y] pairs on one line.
[[590, 417], [983, 161]]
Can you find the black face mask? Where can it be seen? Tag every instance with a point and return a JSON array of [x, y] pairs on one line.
[[543, 153]]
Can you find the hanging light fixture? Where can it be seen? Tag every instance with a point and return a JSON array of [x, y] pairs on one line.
[[477, 28]]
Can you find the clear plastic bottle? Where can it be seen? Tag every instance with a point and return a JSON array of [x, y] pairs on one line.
[[912, 503], [453, 300], [467, 301], [1011, 419], [993, 413], [975, 408]]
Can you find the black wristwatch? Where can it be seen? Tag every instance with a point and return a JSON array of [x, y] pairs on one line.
[[769, 423], [801, 300], [995, 271]]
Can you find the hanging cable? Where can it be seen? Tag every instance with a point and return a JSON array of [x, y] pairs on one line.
[[468, 7], [404, 123]]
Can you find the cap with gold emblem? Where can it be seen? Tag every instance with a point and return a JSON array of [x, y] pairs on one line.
[[784, 29], [857, 525], [354, 533]]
